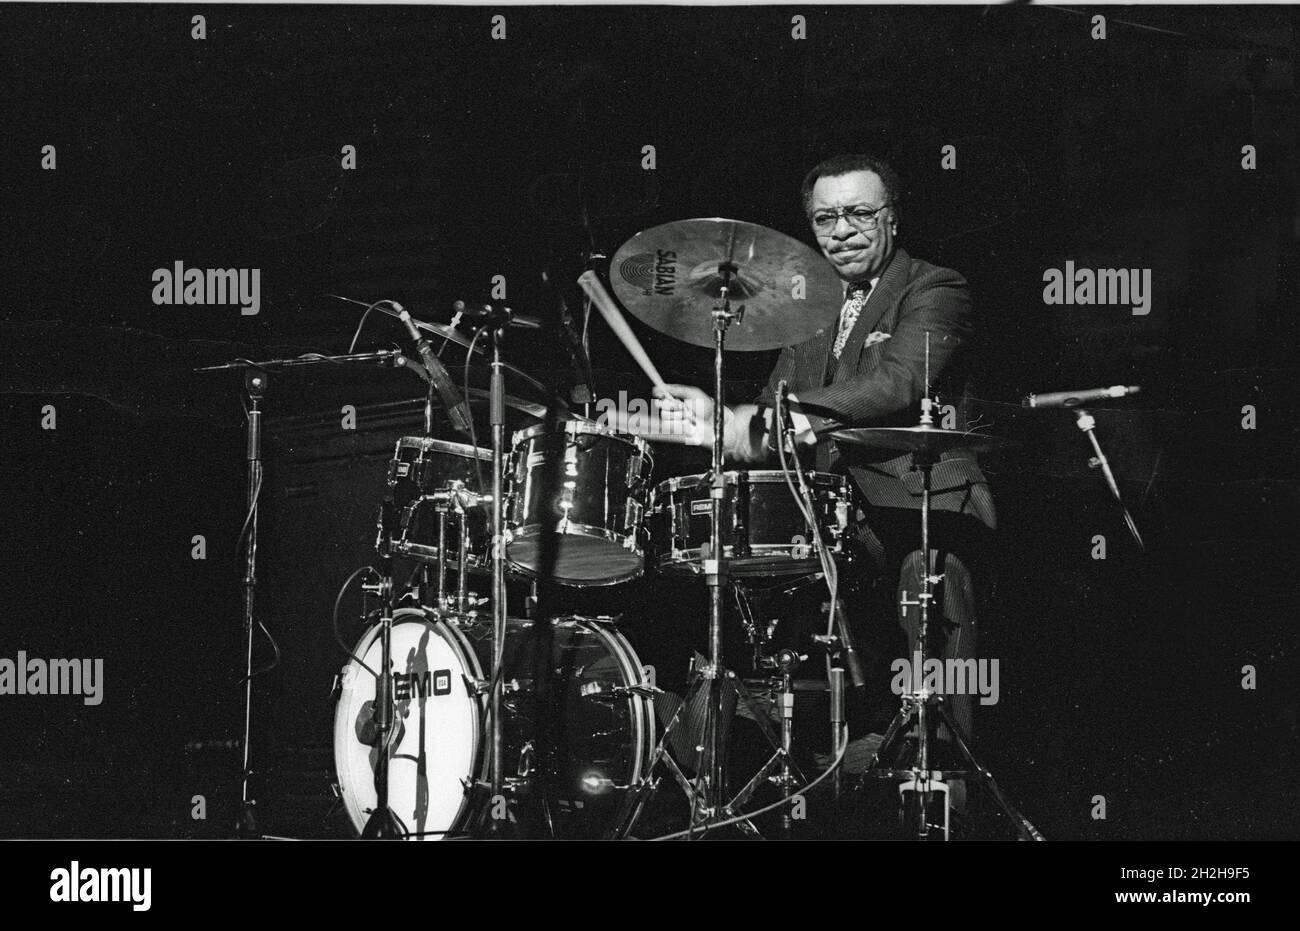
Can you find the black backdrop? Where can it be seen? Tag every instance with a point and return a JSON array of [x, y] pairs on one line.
[[477, 158]]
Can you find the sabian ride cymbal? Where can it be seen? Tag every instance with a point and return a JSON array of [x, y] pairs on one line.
[[668, 278], [919, 439]]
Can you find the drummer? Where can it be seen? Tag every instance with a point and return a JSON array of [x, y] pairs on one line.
[[870, 371]]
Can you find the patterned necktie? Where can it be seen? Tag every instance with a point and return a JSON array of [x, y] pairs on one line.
[[854, 301]]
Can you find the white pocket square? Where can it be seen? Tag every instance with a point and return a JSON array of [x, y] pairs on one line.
[[876, 337]]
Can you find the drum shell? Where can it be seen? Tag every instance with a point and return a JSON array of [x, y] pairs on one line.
[[450, 735], [603, 733], [763, 530], [423, 466], [589, 487], [603, 742]]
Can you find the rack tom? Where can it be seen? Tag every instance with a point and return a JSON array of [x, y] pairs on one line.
[[587, 487]]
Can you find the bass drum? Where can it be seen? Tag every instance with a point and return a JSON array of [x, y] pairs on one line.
[[594, 710], [436, 747]]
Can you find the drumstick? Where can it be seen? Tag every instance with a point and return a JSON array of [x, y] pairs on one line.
[[605, 304]]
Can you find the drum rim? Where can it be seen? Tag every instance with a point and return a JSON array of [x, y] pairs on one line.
[[764, 556], [589, 531], [584, 530], [574, 427], [642, 707], [756, 477], [427, 443]]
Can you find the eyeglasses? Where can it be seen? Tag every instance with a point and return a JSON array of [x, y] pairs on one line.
[[860, 217]]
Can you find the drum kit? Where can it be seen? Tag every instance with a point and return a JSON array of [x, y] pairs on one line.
[[457, 718]]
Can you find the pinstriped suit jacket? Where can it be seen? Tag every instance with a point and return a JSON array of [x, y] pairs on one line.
[[882, 384]]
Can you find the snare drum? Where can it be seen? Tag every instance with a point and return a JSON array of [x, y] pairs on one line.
[[588, 487], [596, 710], [763, 531]]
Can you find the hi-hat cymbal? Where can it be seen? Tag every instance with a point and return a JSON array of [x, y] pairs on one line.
[[919, 439], [668, 277]]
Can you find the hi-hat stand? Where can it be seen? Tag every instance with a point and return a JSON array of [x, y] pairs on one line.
[[920, 779]]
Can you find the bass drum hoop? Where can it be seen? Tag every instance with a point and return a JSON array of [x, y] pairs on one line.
[[641, 712]]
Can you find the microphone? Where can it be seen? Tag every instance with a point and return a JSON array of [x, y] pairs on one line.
[[781, 421], [457, 406], [1077, 398], [838, 720], [849, 651], [577, 355], [486, 312]]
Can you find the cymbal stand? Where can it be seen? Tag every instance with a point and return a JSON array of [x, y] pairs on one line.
[[498, 323], [711, 779], [705, 794], [256, 375], [920, 779]]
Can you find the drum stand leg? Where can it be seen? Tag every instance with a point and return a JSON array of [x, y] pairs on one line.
[[790, 776], [649, 785]]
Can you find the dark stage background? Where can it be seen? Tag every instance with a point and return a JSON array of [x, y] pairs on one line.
[[476, 158]]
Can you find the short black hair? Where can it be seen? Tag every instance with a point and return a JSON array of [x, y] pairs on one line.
[[847, 164]]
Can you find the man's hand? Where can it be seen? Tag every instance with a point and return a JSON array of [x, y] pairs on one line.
[[690, 410]]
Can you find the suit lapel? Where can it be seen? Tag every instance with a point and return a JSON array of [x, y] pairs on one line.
[[881, 299], [817, 356]]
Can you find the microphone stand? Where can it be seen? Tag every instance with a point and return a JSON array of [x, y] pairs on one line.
[[256, 382], [257, 379], [383, 824], [1087, 423], [499, 322]]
